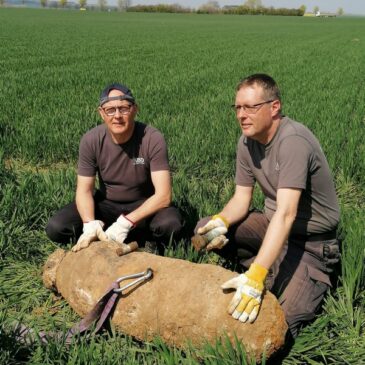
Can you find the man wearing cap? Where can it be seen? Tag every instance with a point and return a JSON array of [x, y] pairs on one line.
[[291, 246], [134, 195]]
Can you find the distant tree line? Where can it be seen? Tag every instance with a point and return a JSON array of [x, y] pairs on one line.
[[160, 8], [212, 7], [261, 10], [249, 7]]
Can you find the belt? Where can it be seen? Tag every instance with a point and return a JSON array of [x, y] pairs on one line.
[[316, 237]]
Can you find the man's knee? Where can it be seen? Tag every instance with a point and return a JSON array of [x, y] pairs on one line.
[[201, 223], [167, 223], [58, 231], [302, 298], [297, 321], [54, 229]]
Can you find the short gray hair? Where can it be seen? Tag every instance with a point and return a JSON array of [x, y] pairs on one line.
[[266, 82]]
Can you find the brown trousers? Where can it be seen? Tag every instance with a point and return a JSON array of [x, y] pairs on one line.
[[299, 277]]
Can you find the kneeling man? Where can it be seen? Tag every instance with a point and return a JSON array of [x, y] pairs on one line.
[[291, 246], [134, 195]]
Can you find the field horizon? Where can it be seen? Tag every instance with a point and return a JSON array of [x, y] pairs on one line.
[[183, 70]]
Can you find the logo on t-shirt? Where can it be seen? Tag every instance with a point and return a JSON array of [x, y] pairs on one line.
[[138, 161], [277, 167]]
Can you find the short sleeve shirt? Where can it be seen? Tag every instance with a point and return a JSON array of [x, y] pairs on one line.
[[124, 170], [292, 159]]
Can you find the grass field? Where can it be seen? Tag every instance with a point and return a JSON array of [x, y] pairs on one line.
[[183, 70]]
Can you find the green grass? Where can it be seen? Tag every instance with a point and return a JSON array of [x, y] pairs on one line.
[[183, 70]]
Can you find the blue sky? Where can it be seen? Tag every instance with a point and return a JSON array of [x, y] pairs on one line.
[[356, 7]]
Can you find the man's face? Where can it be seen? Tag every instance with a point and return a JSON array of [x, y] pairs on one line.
[[256, 122], [121, 124]]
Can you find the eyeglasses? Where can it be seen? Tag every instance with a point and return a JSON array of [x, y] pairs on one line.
[[111, 111], [250, 109]]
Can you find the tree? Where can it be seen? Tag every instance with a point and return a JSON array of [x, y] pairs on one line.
[[303, 8], [43, 3], [82, 3], [316, 9], [63, 3], [102, 4], [253, 4], [2, 2], [213, 4], [209, 7], [340, 11], [124, 4]]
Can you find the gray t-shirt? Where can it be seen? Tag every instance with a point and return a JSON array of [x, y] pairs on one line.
[[124, 170], [292, 159]]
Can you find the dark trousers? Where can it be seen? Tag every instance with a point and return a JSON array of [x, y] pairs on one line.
[[66, 225], [300, 276]]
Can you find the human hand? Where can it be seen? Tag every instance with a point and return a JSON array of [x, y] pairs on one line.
[[214, 232], [119, 230], [246, 302], [92, 231]]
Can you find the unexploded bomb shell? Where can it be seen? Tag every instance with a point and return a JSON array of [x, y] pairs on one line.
[[183, 302]]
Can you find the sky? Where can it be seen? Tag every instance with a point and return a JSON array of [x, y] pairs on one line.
[[356, 7]]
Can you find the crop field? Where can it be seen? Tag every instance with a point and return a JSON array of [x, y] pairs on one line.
[[183, 70]]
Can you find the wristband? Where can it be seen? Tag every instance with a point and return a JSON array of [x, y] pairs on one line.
[[130, 221], [224, 220]]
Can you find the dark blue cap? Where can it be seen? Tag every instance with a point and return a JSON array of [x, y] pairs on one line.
[[104, 98]]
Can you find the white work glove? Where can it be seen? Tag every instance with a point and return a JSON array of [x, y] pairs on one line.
[[119, 230], [249, 286], [214, 232], [92, 231]]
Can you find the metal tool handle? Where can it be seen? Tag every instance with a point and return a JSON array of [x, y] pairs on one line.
[[142, 276]]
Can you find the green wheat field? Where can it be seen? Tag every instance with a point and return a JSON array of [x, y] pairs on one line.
[[183, 69]]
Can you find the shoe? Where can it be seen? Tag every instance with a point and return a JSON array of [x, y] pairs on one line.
[[151, 247]]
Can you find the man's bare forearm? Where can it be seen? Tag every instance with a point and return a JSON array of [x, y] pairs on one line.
[[280, 225], [238, 207], [85, 205], [274, 240], [151, 206]]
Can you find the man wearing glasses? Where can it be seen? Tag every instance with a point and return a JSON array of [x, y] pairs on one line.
[[134, 195], [291, 247]]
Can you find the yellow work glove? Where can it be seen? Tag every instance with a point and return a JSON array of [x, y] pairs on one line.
[[214, 232], [92, 231], [249, 286]]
